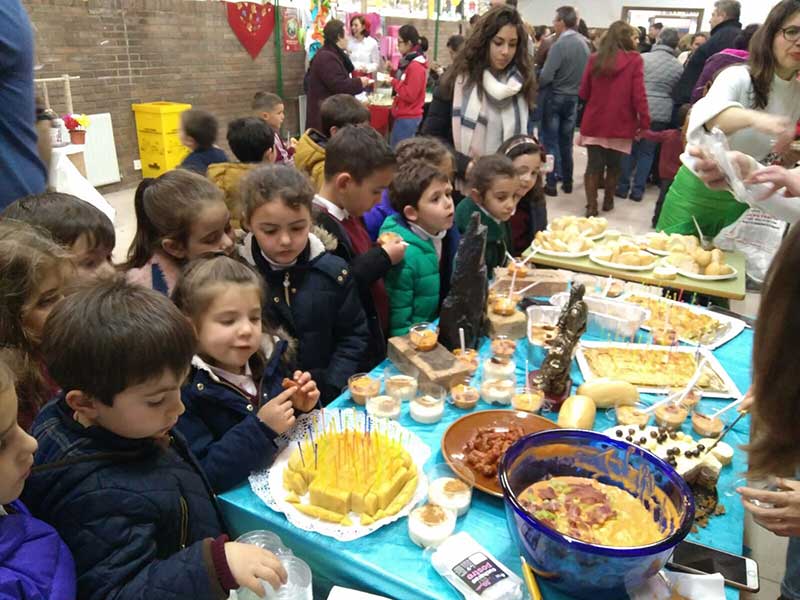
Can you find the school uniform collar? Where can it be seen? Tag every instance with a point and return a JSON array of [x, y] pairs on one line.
[[337, 212], [488, 214], [424, 234]]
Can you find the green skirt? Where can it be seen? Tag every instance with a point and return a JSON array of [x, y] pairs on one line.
[[687, 197]]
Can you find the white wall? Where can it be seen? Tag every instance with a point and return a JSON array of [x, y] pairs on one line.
[[599, 13]]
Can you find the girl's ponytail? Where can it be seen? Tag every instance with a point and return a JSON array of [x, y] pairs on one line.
[[165, 209], [142, 246]]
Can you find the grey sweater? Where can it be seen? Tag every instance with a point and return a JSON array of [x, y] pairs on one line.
[[565, 63], [661, 72]]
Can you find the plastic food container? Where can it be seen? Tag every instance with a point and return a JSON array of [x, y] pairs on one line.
[[540, 317], [580, 569], [614, 318]]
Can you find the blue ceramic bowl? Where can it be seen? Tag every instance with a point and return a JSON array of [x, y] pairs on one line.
[[577, 568]]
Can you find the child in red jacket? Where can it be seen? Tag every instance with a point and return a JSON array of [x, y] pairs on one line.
[[672, 141], [409, 84]]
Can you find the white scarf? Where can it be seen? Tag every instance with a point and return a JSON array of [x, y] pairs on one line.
[[496, 101]]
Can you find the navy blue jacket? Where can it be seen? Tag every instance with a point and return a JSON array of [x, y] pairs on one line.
[[199, 160], [221, 426], [138, 516], [316, 300]]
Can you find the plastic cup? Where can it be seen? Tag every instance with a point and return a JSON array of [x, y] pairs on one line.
[[449, 489]]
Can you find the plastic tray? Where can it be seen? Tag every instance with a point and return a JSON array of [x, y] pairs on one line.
[[608, 318]]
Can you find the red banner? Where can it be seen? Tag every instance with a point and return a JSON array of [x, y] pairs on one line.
[[291, 30], [252, 23]]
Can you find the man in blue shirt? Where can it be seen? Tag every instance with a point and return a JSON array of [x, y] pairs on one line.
[[21, 170]]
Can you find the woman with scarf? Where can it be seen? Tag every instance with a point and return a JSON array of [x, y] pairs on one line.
[[409, 84], [329, 73], [486, 96]]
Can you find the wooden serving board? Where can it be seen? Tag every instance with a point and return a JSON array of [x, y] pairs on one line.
[[437, 366]]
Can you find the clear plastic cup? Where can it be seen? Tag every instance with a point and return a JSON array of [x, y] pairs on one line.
[[450, 489], [400, 386], [264, 539], [297, 586]]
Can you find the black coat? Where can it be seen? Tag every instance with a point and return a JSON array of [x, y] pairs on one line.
[[722, 37], [138, 517], [317, 302], [221, 426], [366, 269], [439, 124]]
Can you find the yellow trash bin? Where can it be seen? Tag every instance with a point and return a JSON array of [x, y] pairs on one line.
[[157, 129]]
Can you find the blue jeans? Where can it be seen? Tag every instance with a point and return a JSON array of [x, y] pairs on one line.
[[558, 124], [637, 164], [402, 129], [790, 586]]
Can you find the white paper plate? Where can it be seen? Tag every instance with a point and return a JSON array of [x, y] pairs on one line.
[[268, 484], [733, 325], [700, 277], [731, 391], [657, 252], [611, 265], [540, 250]]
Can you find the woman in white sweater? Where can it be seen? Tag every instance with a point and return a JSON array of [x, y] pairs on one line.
[[756, 106], [362, 47]]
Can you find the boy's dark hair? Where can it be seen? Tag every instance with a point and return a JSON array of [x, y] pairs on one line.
[[271, 182], [266, 101], [455, 42], [249, 138], [422, 147], [111, 335], [411, 181], [201, 126], [487, 169], [65, 218], [341, 110], [358, 151]]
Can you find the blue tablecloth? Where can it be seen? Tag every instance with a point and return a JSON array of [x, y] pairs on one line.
[[388, 563]]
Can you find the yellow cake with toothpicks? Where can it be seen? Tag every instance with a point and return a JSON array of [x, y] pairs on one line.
[[342, 472]]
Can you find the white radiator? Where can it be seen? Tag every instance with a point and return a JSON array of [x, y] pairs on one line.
[[100, 153]]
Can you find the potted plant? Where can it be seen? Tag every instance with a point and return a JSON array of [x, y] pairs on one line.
[[77, 126]]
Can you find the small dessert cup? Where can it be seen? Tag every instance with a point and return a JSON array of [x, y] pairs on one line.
[[451, 487], [402, 386], [464, 395], [423, 337], [428, 406], [527, 399], [469, 358], [362, 387]]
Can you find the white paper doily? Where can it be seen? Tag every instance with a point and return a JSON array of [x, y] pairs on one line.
[[268, 484]]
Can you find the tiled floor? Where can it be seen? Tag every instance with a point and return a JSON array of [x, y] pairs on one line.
[[768, 550]]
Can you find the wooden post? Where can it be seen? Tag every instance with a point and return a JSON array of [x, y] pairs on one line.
[[67, 93], [278, 49]]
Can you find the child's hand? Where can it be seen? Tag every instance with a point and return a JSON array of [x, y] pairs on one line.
[[293, 142], [249, 564], [396, 249], [310, 394], [278, 413]]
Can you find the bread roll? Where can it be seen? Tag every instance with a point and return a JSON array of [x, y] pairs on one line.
[[577, 412]]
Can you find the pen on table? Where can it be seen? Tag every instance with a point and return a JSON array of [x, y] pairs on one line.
[[530, 580]]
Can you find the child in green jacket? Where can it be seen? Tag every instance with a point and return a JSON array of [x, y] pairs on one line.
[[421, 195], [494, 194]]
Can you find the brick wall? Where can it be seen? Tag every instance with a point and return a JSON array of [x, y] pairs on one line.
[[130, 51]]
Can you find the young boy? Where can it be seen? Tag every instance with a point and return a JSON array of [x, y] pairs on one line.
[[312, 295], [117, 483], [252, 141], [336, 112], [79, 227], [359, 167], [422, 196], [270, 108], [494, 184], [199, 133]]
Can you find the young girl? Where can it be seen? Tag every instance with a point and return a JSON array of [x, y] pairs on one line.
[[426, 148], [494, 184], [35, 563], [314, 296], [179, 216], [33, 273], [527, 156], [231, 421]]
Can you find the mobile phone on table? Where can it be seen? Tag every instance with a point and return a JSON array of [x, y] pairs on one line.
[[738, 571]]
